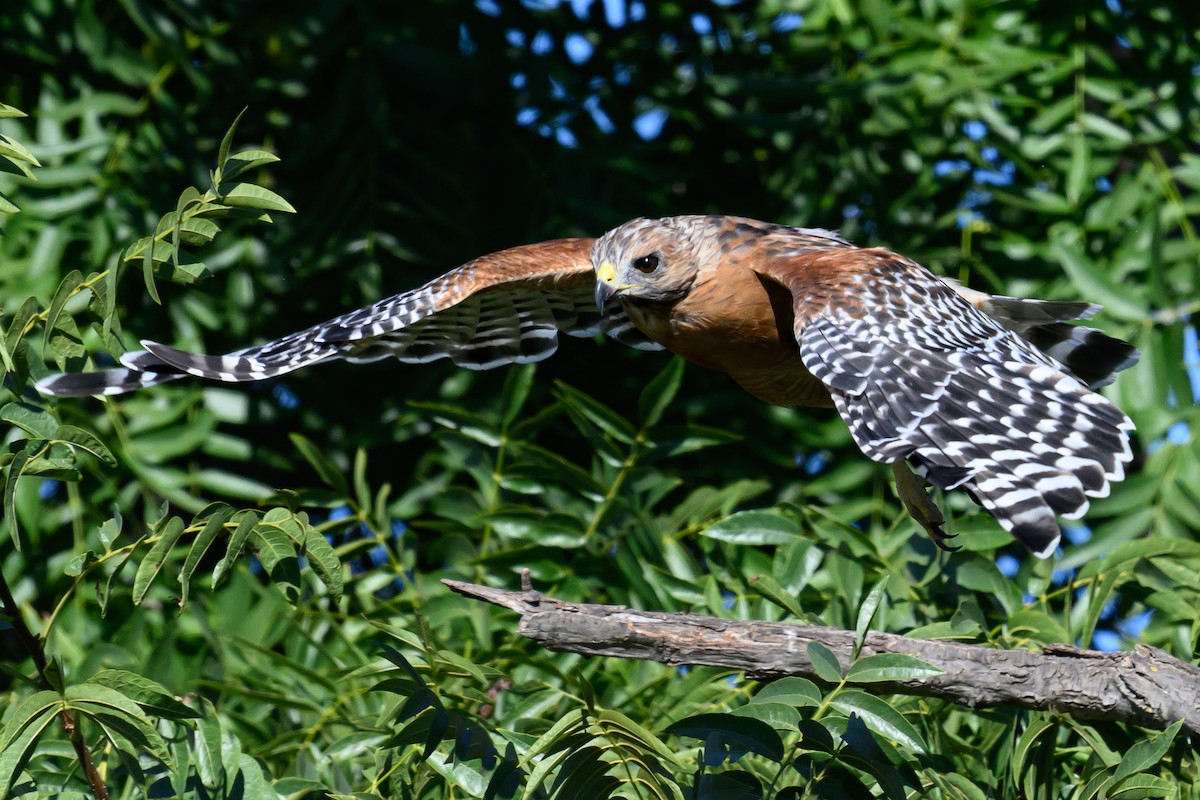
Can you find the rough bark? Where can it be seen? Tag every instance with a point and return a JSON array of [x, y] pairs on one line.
[[1145, 686]]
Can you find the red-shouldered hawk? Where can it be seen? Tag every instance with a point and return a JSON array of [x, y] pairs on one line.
[[985, 393]]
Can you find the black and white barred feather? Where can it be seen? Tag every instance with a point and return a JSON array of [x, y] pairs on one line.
[[505, 308], [919, 373]]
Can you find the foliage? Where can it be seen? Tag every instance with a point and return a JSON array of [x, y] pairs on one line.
[[216, 634]]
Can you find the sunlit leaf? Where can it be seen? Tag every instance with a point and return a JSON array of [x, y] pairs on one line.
[[824, 662], [890, 667], [153, 561]]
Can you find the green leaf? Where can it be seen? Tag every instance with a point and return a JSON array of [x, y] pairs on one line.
[[1138, 787], [255, 783], [111, 528], [152, 564], [132, 734], [1093, 282], [245, 161], [324, 561], [617, 723], [66, 290], [277, 552], [33, 420], [460, 665], [1037, 625], [517, 385], [113, 577], [770, 588], [967, 788], [15, 469], [150, 695], [473, 426], [66, 341], [19, 321], [597, 413], [879, 717], [213, 526], [1029, 738], [362, 489], [246, 520], [249, 195], [14, 151], [227, 141], [740, 733], [875, 755], [148, 268], [659, 393], [186, 269], [197, 231], [21, 733], [754, 527], [208, 741], [325, 468], [13, 165], [1106, 128], [824, 662], [228, 484], [76, 566], [1098, 594], [55, 460], [187, 198], [890, 667], [1145, 754], [102, 695], [104, 298], [78, 437], [25, 712], [1147, 548], [866, 613], [793, 691], [780, 716]]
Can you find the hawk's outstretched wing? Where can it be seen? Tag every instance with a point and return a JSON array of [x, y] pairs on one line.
[[919, 373], [506, 307]]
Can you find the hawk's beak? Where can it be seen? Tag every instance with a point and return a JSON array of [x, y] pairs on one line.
[[606, 284]]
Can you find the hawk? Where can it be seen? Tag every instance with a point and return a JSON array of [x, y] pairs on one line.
[[952, 387]]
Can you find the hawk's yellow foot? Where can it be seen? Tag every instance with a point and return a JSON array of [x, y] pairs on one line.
[[914, 493]]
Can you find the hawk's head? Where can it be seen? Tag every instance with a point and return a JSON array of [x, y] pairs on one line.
[[649, 260]]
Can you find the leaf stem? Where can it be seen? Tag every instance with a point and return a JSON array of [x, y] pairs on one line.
[[615, 488]]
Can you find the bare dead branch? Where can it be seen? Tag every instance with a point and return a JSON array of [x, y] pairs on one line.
[[1145, 686]]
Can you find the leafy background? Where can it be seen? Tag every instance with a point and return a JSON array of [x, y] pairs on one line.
[[240, 586]]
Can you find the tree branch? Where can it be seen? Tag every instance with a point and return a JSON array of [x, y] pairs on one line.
[[1145, 686]]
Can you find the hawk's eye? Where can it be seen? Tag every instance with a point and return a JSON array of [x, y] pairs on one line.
[[646, 263]]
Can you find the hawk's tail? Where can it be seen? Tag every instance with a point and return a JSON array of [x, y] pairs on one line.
[[1089, 354]]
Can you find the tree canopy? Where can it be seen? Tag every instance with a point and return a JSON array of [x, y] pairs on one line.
[[237, 591]]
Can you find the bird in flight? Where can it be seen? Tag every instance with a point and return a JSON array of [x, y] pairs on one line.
[[952, 387]]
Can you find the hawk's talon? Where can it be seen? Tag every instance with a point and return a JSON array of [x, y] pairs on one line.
[[911, 489], [939, 538]]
